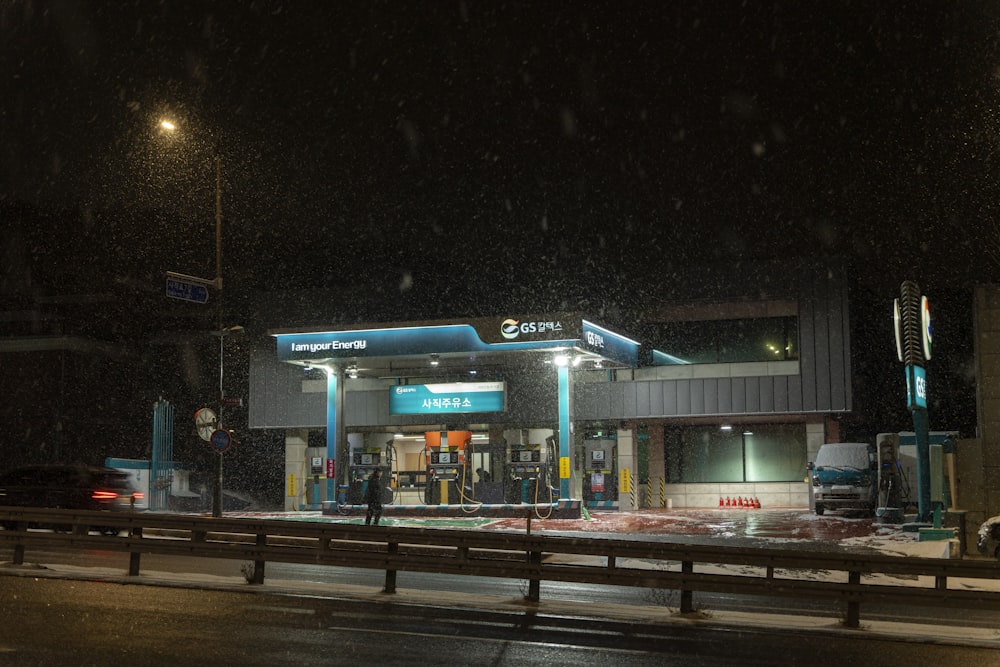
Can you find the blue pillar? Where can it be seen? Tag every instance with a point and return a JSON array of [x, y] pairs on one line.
[[161, 462], [564, 434], [921, 430], [331, 431]]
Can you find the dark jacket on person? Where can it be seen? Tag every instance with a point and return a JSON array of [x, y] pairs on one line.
[[373, 494]]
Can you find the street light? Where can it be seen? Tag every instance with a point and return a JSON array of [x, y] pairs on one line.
[[171, 127], [217, 494]]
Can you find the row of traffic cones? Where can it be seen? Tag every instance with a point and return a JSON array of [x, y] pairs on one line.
[[745, 503]]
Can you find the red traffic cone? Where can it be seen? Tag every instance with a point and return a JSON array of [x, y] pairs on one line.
[[722, 503], [756, 503], [727, 501], [741, 502]]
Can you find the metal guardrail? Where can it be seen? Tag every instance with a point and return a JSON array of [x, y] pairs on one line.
[[680, 567]]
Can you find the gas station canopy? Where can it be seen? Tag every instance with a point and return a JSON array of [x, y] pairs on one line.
[[421, 349]]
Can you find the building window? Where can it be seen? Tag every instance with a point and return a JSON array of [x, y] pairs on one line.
[[726, 341], [757, 453]]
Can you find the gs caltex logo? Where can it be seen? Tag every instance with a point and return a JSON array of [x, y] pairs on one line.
[[511, 328]]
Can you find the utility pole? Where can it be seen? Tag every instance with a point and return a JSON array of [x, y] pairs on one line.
[[217, 496]]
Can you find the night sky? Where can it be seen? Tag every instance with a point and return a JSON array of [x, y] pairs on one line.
[[459, 158]]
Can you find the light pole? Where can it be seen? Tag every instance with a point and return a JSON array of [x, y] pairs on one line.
[[171, 127], [217, 495]]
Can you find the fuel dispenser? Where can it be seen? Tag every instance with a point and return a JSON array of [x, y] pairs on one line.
[[889, 504], [523, 468], [600, 474], [448, 472], [363, 462], [527, 473]]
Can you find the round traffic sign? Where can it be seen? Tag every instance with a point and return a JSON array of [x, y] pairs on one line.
[[221, 440], [205, 421]]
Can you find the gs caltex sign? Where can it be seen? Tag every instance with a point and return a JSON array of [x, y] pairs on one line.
[[452, 397]]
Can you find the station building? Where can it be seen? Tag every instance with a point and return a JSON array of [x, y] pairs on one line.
[[734, 381]]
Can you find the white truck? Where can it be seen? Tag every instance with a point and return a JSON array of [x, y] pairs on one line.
[[845, 476]]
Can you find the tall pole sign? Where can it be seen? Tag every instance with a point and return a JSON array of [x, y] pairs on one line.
[[912, 320]]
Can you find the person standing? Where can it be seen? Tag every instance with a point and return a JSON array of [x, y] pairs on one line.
[[373, 496]]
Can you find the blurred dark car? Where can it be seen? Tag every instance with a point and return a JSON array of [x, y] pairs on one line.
[[73, 486]]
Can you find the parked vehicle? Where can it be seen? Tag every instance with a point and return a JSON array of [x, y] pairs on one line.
[[72, 486], [989, 537], [844, 476]]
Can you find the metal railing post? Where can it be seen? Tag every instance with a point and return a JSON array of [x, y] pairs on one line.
[[19, 547], [258, 565], [687, 596], [134, 556], [534, 582], [853, 619], [390, 574]]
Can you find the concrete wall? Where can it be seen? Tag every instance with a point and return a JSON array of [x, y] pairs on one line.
[[982, 459], [770, 494]]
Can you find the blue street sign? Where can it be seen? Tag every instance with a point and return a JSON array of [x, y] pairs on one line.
[[221, 440], [178, 288]]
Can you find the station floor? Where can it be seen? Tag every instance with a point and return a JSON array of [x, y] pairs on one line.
[[776, 524]]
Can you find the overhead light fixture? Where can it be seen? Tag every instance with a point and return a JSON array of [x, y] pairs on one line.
[[561, 359], [435, 360], [307, 368], [473, 372], [598, 364], [352, 371], [726, 427]]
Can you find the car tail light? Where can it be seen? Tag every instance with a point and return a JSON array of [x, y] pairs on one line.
[[103, 495], [138, 495]]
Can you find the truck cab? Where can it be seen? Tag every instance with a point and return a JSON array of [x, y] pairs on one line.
[[844, 476]]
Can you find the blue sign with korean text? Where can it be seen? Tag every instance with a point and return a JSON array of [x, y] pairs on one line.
[[452, 397], [186, 291], [609, 344]]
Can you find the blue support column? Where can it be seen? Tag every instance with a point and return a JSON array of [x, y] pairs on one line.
[[921, 430], [331, 431], [161, 462], [564, 434]]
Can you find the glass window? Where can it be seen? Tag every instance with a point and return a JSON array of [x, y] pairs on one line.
[[726, 341], [759, 453]]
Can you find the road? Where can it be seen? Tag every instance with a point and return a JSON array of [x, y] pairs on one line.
[[57, 621]]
